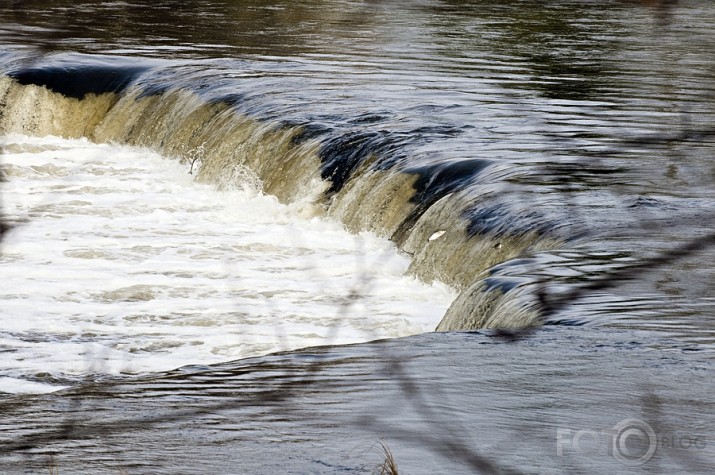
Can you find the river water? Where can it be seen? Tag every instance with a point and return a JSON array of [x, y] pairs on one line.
[[97, 280], [208, 183]]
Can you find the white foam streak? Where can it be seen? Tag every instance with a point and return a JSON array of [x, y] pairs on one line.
[[121, 263]]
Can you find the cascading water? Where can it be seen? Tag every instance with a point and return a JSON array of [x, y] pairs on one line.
[[99, 282], [193, 185], [344, 176]]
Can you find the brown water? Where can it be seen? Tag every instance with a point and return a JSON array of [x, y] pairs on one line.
[[553, 144]]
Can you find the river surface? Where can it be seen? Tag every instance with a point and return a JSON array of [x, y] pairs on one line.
[[123, 264], [194, 186]]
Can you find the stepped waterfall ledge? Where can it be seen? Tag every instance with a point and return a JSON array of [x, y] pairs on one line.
[[351, 236], [356, 177]]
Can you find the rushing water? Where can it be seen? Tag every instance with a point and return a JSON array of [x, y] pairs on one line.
[[521, 156], [97, 280]]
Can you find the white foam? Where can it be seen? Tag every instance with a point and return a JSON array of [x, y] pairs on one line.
[[15, 385], [123, 264]]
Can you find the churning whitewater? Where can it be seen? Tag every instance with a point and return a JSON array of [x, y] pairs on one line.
[[119, 262]]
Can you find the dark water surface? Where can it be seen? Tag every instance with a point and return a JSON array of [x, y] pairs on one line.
[[588, 126], [440, 401]]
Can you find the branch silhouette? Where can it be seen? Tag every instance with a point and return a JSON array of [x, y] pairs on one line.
[[440, 440]]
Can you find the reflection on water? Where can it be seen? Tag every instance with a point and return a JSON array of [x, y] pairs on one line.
[[444, 403], [587, 122]]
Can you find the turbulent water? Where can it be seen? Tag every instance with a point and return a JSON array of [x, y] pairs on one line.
[[199, 182], [123, 264]]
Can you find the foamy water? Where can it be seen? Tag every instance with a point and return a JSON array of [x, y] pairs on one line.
[[121, 263]]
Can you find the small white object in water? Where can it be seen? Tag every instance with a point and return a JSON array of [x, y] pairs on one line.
[[436, 235]]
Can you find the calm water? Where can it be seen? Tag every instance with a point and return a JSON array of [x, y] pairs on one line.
[[585, 126]]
